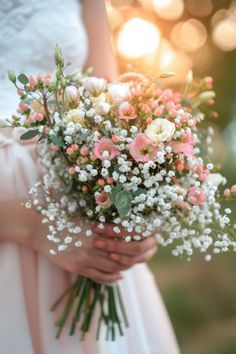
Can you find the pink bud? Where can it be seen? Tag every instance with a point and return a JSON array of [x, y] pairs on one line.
[[39, 117], [84, 188], [69, 151], [233, 188], [23, 107], [20, 92], [74, 147], [84, 151], [71, 170], [227, 192], [32, 81], [101, 182], [110, 180], [31, 118]]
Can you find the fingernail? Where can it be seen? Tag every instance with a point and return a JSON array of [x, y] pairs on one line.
[[114, 256], [99, 244]]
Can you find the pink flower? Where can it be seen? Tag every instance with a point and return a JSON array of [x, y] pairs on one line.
[[182, 204], [72, 94], [103, 200], [126, 111], [233, 189], [184, 148], [105, 149], [33, 81], [196, 196], [142, 149], [227, 192], [23, 107]]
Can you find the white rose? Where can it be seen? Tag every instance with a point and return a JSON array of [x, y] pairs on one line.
[[118, 92], [94, 85], [75, 116], [160, 130], [216, 179]]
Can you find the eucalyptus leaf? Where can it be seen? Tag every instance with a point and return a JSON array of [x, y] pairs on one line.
[[30, 134], [139, 191], [115, 190], [123, 202], [56, 140], [23, 79]]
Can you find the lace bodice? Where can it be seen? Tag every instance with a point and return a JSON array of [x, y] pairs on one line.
[[29, 30]]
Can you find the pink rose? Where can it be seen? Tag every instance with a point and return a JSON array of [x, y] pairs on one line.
[[103, 200], [126, 111], [181, 148], [105, 149], [196, 196], [142, 149]]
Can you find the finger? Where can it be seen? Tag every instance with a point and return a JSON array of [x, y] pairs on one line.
[[108, 230], [133, 248], [129, 261], [107, 265], [101, 277]]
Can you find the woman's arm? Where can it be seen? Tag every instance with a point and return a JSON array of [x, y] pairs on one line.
[[100, 55]]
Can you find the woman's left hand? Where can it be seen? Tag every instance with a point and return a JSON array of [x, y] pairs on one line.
[[125, 253]]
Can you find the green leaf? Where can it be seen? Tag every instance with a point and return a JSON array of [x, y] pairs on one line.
[[30, 134], [139, 191], [115, 190], [123, 202], [23, 79], [56, 140]]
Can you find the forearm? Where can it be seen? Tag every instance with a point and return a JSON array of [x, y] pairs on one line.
[[17, 222]]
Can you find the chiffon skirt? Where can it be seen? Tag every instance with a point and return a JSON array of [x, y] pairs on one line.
[[30, 284]]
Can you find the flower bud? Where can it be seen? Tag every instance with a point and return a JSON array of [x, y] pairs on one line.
[[58, 56], [12, 76]]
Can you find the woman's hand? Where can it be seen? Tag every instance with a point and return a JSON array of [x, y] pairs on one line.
[[124, 253]]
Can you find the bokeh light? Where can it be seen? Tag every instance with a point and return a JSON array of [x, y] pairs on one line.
[[189, 35], [138, 37], [169, 9], [224, 34], [199, 8]]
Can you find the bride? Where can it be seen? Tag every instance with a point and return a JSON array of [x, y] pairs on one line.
[[30, 278]]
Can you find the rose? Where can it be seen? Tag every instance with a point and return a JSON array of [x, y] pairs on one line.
[[105, 149], [94, 85], [216, 179], [126, 111], [118, 93], [75, 116], [160, 130], [142, 149], [103, 200]]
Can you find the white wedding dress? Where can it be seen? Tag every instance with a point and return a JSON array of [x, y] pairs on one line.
[[29, 283]]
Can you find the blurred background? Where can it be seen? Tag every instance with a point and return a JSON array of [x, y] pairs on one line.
[[156, 36]]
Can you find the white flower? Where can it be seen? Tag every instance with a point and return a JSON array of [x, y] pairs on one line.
[[216, 179], [100, 105], [118, 92], [94, 85], [75, 116], [160, 130]]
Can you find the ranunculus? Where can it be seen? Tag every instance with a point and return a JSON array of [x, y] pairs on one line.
[[160, 130], [94, 85], [75, 116], [142, 149], [103, 200], [126, 111], [118, 93], [216, 179], [105, 149], [196, 195], [100, 105], [184, 148], [72, 94]]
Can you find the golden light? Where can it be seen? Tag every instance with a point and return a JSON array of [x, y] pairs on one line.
[[224, 34], [161, 3], [189, 35], [169, 9], [174, 61], [137, 38]]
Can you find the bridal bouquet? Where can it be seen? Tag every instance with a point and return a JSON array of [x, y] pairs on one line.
[[130, 153]]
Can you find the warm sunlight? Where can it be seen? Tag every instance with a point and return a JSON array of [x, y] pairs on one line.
[[137, 38]]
